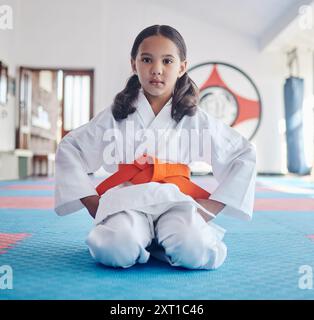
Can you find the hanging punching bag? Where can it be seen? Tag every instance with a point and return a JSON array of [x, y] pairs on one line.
[[293, 98]]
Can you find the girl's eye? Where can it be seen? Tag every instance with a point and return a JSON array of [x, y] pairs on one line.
[[146, 60], [167, 61]]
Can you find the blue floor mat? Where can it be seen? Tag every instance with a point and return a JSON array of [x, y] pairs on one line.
[[53, 262]]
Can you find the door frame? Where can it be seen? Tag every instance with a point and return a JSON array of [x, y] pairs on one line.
[[76, 71]]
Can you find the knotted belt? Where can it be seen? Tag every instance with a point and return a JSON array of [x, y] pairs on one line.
[[149, 169]]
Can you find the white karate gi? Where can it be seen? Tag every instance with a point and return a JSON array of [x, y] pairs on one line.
[[132, 220]]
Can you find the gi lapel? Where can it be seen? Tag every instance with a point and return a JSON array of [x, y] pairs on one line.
[[150, 121], [160, 124], [144, 109]]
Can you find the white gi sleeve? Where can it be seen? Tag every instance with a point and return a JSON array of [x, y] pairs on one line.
[[79, 153], [234, 167]]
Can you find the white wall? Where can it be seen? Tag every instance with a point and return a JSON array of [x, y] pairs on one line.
[[50, 34], [299, 34], [61, 34], [99, 34]]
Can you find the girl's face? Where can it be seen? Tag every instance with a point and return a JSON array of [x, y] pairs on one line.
[[158, 66]]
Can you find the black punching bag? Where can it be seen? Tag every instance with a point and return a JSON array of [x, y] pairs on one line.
[[293, 98]]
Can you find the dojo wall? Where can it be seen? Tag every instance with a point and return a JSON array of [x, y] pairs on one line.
[[99, 34]]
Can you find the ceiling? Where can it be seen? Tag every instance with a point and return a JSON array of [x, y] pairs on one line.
[[264, 20], [299, 33]]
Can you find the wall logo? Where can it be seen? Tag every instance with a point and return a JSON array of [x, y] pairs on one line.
[[6, 277], [6, 17], [229, 94]]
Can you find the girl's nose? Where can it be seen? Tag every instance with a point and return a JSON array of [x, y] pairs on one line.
[[155, 72], [156, 69]]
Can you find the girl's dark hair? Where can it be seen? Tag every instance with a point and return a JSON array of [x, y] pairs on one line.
[[186, 94]]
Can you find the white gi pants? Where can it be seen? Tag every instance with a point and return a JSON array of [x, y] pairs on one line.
[[179, 236]]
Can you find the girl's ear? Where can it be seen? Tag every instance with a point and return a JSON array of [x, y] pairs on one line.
[[182, 70], [133, 66]]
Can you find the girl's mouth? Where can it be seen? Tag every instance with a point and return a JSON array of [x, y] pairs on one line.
[[156, 83]]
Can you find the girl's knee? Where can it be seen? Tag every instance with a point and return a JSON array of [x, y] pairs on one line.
[[115, 249], [191, 250], [217, 256]]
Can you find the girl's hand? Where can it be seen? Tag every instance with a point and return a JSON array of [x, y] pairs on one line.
[[211, 205], [91, 203]]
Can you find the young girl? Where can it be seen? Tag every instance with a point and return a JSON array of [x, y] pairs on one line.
[[153, 130]]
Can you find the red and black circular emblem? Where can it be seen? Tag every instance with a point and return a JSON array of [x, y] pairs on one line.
[[227, 93]]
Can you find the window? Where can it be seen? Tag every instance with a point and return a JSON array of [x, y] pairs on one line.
[[77, 99]]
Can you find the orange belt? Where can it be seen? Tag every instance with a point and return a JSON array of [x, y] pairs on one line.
[[143, 171]]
